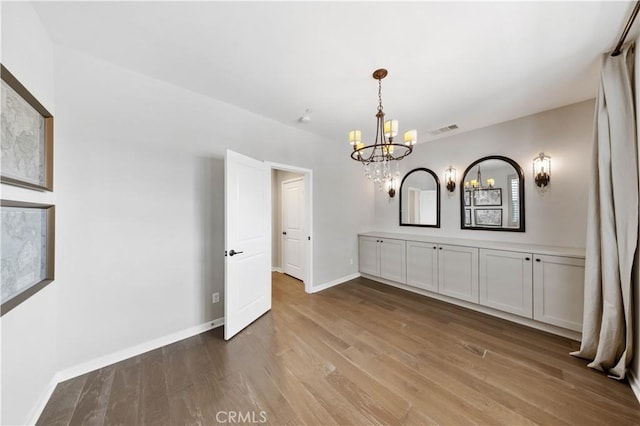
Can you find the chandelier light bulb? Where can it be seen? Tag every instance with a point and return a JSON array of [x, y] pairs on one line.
[[355, 137], [410, 137], [390, 128]]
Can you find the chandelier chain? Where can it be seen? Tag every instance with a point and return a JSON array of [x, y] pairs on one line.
[[379, 94]]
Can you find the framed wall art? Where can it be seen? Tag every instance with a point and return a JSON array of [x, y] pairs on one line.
[[467, 216], [27, 247], [488, 217], [487, 197], [26, 138]]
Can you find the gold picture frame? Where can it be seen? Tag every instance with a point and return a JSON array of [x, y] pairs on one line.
[[25, 122]]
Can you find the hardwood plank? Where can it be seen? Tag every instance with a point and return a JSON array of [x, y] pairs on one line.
[[63, 402], [390, 402], [125, 395], [92, 404], [292, 380], [184, 408], [358, 353], [154, 398]]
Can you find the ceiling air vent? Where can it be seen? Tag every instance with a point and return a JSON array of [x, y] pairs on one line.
[[444, 129]]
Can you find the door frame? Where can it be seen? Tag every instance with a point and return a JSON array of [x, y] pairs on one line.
[[308, 198]]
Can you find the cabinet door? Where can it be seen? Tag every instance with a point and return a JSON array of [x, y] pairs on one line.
[[458, 272], [369, 256], [392, 260], [558, 291], [422, 265], [506, 281]]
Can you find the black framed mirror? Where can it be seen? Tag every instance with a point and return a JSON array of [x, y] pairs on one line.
[[492, 195], [420, 199]]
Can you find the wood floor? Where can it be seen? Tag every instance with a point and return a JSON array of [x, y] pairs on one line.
[[358, 353]]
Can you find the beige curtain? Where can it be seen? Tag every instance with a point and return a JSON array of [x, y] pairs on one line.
[[612, 221]]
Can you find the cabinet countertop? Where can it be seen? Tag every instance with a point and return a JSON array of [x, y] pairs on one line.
[[493, 245]]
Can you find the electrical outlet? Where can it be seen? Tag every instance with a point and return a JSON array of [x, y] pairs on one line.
[[351, 261], [215, 297]]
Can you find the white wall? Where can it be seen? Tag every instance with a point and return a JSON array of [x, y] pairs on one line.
[[140, 219], [556, 218], [141, 203], [29, 330]]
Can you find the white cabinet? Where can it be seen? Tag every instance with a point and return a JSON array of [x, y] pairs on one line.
[[422, 265], [383, 257], [510, 278], [558, 295], [392, 260], [506, 281], [369, 256], [458, 272]]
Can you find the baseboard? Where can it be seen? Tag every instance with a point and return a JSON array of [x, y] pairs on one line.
[[136, 350], [118, 356], [329, 284], [276, 269], [38, 408], [634, 383]]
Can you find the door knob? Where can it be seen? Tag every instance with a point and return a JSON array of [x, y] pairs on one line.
[[232, 252], [284, 232]]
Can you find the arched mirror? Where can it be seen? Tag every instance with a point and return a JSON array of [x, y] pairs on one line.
[[420, 199], [492, 195]]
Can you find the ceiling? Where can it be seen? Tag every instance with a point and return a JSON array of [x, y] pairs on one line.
[[472, 64]]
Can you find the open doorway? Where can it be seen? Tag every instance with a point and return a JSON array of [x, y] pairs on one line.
[[291, 240]]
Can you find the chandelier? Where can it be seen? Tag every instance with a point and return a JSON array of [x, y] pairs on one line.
[[377, 157], [476, 184]]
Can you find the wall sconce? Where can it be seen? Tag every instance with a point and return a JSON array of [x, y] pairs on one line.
[[450, 178], [542, 171], [391, 187]]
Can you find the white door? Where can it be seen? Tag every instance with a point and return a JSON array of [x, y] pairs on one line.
[[293, 229], [247, 284]]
